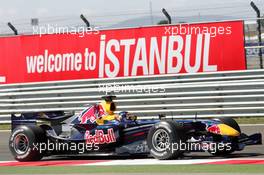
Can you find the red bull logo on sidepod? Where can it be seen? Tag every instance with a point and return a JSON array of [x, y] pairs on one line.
[[100, 137]]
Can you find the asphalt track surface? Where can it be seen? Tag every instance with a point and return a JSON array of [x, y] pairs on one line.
[[256, 151]]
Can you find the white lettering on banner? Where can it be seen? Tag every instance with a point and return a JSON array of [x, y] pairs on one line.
[[206, 66], [101, 58], [140, 61], [50, 63], [154, 53], [127, 44], [175, 54], [112, 57], [90, 60], [187, 63], [127, 57], [176, 61], [2, 79]]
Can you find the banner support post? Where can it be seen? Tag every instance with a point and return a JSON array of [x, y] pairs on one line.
[[12, 28], [164, 11], [85, 20], [253, 5]]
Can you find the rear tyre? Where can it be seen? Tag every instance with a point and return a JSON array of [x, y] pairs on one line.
[[24, 143], [162, 138]]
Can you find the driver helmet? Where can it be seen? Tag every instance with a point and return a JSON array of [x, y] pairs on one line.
[[108, 104]]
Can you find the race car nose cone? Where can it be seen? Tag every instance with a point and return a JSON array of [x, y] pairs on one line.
[[227, 130]]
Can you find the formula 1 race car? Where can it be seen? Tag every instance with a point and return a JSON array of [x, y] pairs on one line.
[[97, 130]]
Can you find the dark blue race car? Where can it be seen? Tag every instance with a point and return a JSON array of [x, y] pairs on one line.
[[36, 135]]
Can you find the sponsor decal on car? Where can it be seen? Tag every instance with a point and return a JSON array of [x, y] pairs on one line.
[[100, 137], [214, 129], [91, 113]]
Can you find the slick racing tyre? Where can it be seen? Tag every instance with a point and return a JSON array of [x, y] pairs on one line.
[[23, 143], [161, 140]]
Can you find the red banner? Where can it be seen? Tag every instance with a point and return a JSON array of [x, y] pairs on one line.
[[186, 48]]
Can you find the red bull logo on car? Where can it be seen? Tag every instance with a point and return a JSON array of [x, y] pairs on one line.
[[91, 113], [214, 129], [100, 137]]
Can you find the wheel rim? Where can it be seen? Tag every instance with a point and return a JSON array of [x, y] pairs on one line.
[[21, 144], [161, 140]]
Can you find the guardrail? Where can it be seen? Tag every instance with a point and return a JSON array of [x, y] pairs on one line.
[[214, 94]]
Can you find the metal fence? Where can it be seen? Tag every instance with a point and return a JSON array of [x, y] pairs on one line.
[[218, 94]]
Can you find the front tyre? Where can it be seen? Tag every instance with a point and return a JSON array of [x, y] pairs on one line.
[[161, 140], [24, 143]]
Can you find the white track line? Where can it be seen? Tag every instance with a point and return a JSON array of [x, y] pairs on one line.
[[154, 162], [5, 122], [157, 162], [164, 162], [5, 130], [7, 161]]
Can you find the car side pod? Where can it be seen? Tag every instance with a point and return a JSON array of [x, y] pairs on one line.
[[254, 139]]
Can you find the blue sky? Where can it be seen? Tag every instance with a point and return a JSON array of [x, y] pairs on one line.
[[23, 9], [108, 12]]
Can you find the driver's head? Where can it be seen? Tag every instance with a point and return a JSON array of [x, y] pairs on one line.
[[108, 104]]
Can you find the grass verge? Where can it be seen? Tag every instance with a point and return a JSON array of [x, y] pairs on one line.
[[135, 169], [5, 126], [250, 120]]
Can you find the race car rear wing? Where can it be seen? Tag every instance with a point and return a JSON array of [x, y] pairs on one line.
[[33, 118]]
